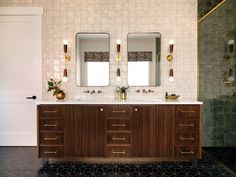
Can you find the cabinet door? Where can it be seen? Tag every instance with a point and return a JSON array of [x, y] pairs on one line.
[[72, 116], [145, 131], [166, 131], [153, 131], [90, 131]]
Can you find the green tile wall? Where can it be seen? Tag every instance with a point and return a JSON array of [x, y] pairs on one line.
[[219, 112]]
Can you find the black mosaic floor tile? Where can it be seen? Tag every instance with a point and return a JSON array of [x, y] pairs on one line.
[[22, 162], [226, 155]]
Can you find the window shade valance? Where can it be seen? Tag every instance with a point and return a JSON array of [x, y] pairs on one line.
[[140, 56], [96, 56]]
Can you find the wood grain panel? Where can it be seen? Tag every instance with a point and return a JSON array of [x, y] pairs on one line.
[[118, 151], [118, 138], [145, 131], [50, 124], [119, 111], [51, 151], [118, 124], [186, 152], [71, 114], [48, 111], [91, 128], [165, 123], [51, 138]]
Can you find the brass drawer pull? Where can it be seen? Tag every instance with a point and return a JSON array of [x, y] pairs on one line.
[[122, 111], [187, 111], [118, 125], [186, 125], [118, 152], [120, 139], [181, 138], [49, 111], [50, 152], [187, 152], [50, 125], [101, 109], [136, 109], [50, 139]]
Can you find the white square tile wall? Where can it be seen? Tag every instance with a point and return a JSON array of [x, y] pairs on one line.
[[174, 19]]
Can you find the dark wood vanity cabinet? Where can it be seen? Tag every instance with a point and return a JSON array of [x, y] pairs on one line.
[[153, 131], [187, 131], [150, 131], [84, 131]]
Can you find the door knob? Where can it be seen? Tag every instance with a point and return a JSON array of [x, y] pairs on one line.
[[31, 97]]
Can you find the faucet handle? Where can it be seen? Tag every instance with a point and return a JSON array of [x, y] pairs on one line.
[[86, 91], [137, 91], [150, 91]]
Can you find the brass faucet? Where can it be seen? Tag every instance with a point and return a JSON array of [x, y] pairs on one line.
[[92, 92], [150, 91], [86, 91], [99, 91], [145, 91], [137, 91]]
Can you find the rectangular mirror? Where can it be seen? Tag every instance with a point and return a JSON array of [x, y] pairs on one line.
[[92, 56], [144, 50]]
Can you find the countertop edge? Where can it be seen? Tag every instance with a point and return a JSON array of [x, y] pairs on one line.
[[164, 102]]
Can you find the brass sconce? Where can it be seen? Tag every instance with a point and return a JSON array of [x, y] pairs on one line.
[[118, 59], [231, 45], [229, 79], [170, 59], [66, 58]]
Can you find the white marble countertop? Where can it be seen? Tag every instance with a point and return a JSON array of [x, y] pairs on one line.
[[129, 101]]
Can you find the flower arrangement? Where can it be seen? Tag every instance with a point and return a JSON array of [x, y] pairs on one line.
[[55, 87]]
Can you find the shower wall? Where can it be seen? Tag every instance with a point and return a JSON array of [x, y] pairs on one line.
[[219, 112]]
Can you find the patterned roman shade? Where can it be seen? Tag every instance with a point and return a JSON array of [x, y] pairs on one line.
[[96, 56], [140, 56]]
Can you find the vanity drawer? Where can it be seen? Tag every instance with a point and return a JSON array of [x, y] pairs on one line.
[[51, 138], [118, 151], [118, 124], [51, 151], [119, 111], [49, 111], [50, 125], [187, 152], [186, 139], [118, 138], [187, 112], [189, 125]]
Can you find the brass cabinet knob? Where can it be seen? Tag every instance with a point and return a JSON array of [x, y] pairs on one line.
[[101, 109], [135, 109]]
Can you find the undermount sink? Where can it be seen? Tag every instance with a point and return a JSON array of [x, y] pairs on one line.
[[113, 100], [94, 99], [147, 99]]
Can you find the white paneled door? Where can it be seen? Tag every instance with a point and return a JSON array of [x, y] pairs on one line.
[[20, 74]]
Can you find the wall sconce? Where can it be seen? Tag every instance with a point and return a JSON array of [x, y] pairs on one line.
[[170, 59], [171, 49], [171, 75], [118, 59], [231, 45], [66, 58]]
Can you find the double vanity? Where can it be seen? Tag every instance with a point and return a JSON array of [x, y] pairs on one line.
[[109, 129]]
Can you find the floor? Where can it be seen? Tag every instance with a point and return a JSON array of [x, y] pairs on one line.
[[22, 162], [225, 155]]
